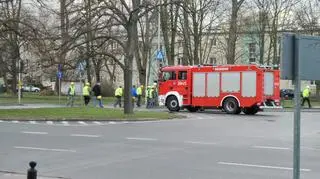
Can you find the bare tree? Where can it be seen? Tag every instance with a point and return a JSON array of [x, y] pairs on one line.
[[233, 29]]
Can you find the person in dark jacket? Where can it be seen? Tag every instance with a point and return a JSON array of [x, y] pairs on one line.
[[97, 93]]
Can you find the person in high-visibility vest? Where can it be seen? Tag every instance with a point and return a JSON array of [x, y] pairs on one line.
[[305, 95], [139, 95], [118, 94], [71, 94], [148, 96], [86, 94]]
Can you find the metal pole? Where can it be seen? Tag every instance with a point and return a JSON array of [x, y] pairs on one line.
[[297, 114], [19, 82], [32, 172], [59, 89], [159, 25]]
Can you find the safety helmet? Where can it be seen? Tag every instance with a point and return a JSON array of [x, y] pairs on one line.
[[72, 83], [88, 84], [308, 87]]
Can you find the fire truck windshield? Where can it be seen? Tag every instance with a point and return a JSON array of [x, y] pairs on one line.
[[168, 75]]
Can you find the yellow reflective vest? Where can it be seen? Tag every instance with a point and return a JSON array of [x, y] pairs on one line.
[[72, 90], [118, 92], [306, 93], [86, 91], [139, 91]]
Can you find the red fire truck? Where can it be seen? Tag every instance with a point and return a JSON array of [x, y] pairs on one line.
[[233, 88]]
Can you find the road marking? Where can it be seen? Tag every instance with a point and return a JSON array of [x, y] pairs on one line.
[[111, 122], [65, 123], [44, 149], [271, 147], [200, 142], [15, 122], [84, 135], [32, 132], [260, 166], [82, 123], [141, 138], [32, 122], [49, 122], [309, 148], [97, 122], [1, 120]]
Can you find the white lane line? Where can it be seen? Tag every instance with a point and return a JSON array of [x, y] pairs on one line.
[[15, 122], [32, 122], [49, 122], [1, 120], [65, 123], [200, 142], [271, 147], [84, 135], [97, 122], [141, 138], [111, 122], [309, 148], [260, 166], [82, 123], [43, 149], [32, 132]]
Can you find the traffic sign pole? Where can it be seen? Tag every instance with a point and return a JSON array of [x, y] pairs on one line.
[[297, 111]]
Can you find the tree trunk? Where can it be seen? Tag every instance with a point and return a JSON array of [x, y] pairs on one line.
[[187, 58], [165, 31], [89, 42], [263, 23], [232, 36]]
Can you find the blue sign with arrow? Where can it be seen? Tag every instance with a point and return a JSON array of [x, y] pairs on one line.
[[59, 74], [160, 55]]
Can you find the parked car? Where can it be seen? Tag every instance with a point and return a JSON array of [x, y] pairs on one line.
[[30, 88], [287, 93]]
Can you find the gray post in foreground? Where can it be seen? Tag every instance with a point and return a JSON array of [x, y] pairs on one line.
[[297, 111], [32, 172]]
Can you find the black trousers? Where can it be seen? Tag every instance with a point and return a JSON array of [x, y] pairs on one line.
[[306, 99], [139, 101], [86, 100]]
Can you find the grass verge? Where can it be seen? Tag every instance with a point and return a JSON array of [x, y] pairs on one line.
[[81, 113], [290, 103]]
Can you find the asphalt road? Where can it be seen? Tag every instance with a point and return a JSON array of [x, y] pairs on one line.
[[203, 146]]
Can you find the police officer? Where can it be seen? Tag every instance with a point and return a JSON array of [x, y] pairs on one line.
[[139, 95], [305, 95], [118, 94], [86, 94], [71, 94]]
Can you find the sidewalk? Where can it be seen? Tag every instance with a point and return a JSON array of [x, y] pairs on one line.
[[20, 176]]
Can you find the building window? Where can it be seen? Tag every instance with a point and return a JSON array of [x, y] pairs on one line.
[[252, 52]]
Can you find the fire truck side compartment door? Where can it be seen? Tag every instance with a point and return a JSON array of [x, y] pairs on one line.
[[268, 83], [213, 84], [249, 84], [199, 84], [230, 82]]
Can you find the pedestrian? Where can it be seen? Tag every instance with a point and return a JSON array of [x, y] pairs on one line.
[[139, 95], [118, 94], [86, 94], [133, 94], [97, 93], [71, 94], [306, 96], [148, 96]]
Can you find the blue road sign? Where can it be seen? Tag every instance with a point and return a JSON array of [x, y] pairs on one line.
[[160, 55], [59, 74]]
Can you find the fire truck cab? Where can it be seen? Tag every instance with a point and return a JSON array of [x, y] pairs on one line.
[[233, 88]]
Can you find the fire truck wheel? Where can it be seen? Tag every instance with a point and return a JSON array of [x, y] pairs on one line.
[[173, 103], [231, 106], [251, 110], [192, 109]]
